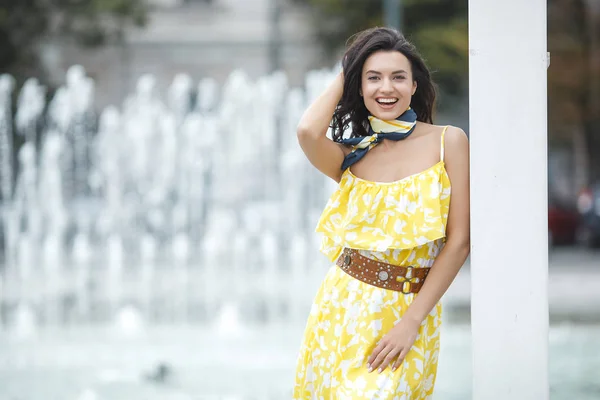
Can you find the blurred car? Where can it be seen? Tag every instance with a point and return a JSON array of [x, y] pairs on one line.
[[563, 222], [588, 205]]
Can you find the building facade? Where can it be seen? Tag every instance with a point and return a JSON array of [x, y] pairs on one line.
[[202, 38]]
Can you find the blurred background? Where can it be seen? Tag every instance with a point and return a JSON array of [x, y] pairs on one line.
[[157, 214]]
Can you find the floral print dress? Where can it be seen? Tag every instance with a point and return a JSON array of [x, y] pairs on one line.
[[401, 223]]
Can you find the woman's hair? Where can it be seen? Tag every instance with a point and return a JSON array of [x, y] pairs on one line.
[[351, 108]]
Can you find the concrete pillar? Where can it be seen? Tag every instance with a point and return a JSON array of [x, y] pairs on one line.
[[509, 258]]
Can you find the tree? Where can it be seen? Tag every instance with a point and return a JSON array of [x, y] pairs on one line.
[[437, 27], [573, 94], [25, 24]]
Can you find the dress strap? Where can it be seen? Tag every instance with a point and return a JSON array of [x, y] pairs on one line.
[[442, 144]]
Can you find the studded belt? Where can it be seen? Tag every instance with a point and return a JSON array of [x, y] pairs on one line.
[[387, 276]]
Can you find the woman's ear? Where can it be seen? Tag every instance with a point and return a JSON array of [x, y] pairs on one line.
[[414, 87]]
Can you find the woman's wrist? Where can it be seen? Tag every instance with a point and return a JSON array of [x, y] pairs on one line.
[[412, 319], [339, 81], [337, 86]]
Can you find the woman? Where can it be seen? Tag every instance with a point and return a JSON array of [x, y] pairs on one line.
[[395, 237]]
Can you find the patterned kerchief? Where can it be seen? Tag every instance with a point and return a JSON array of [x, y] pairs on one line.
[[397, 129]]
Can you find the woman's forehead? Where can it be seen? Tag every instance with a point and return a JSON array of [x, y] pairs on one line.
[[386, 62]]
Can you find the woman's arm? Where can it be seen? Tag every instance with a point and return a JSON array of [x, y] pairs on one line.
[[394, 346], [457, 247], [326, 155]]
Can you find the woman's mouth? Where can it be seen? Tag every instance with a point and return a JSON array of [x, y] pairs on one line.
[[387, 102]]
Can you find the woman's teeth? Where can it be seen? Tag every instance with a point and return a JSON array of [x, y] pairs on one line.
[[387, 101]]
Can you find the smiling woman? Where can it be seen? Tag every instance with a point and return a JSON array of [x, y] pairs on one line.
[[394, 236], [387, 91]]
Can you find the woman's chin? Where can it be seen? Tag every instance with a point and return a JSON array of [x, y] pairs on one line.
[[386, 115]]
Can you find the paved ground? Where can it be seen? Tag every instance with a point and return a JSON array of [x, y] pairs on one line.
[[96, 364]]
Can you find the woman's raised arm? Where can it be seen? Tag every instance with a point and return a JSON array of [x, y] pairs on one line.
[[326, 155]]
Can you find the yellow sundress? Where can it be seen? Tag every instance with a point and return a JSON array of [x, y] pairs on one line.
[[401, 223]]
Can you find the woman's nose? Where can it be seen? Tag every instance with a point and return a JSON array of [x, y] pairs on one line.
[[386, 85]]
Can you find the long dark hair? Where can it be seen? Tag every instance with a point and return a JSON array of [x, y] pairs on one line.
[[351, 108]]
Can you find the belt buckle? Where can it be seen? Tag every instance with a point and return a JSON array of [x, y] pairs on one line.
[[347, 260], [409, 283], [406, 280]]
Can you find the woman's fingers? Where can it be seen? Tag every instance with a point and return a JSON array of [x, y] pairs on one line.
[[393, 354], [399, 360], [379, 357], [380, 346]]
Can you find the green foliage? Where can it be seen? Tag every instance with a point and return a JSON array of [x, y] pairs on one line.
[[437, 27], [569, 73], [25, 23], [574, 77], [21, 24]]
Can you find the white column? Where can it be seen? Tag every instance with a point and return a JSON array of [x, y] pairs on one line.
[[509, 258]]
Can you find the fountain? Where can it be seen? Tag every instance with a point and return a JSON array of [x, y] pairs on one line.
[[165, 248], [196, 209]]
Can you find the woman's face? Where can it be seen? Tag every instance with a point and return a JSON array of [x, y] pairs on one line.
[[387, 84]]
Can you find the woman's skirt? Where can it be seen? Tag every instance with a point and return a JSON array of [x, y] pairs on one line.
[[346, 321]]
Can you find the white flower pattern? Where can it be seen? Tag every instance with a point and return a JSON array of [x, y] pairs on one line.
[[401, 215]]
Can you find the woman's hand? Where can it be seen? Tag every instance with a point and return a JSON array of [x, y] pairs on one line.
[[394, 346]]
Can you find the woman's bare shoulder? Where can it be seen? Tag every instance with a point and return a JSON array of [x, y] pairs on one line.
[[456, 144], [455, 136], [424, 129]]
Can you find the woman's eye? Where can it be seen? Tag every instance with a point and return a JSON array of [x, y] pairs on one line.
[[372, 78], [399, 77]]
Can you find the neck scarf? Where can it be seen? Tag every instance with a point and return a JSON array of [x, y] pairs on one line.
[[397, 129]]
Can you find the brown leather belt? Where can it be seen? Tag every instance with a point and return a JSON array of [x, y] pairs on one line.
[[387, 276]]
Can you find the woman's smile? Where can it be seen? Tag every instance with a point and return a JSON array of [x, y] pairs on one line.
[[387, 103]]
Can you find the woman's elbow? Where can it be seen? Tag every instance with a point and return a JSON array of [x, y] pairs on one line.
[[304, 132], [459, 244]]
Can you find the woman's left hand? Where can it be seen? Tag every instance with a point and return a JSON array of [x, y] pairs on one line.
[[394, 346]]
